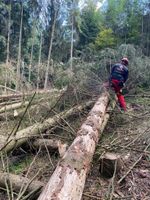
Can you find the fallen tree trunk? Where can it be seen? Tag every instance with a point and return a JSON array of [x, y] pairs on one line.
[[9, 102], [18, 181], [51, 145], [48, 102], [22, 136], [13, 106], [14, 96], [7, 88], [68, 179]]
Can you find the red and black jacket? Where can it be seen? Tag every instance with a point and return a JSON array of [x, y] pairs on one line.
[[119, 72]]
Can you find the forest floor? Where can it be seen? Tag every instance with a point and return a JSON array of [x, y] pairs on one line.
[[127, 134]]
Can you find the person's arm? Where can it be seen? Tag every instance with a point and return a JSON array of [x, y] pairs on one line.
[[112, 70], [126, 75]]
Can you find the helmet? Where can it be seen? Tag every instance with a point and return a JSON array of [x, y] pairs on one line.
[[125, 61]]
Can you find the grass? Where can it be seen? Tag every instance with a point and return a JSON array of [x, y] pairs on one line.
[[21, 165]]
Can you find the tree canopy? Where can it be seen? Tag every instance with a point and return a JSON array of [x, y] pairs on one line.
[[82, 26]]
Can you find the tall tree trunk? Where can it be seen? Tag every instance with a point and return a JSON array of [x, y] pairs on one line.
[[19, 51], [71, 50], [8, 46], [68, 179], [39, 62], [50, 46], [31, 56]]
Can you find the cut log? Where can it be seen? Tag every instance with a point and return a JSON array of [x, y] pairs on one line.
[[108, 162], [51, 145], [14, 96], [17, 182], [38, 104], [31, 131], [13, 106], [68, 179], [9, 102]]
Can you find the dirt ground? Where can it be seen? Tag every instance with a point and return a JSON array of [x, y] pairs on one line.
[[127, 134]]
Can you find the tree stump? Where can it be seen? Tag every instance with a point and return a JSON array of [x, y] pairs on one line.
[[108, 163]]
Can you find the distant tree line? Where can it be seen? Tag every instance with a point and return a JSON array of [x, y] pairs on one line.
[[34, 33]]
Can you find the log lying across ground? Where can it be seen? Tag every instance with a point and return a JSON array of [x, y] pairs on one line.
[[19, 181], [18, 109], [13, 106], [9, 89], [31, 131], [68, 179], [23, 94], [51, 145]]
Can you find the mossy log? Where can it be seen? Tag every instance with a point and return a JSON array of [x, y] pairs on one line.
[[22, 136], [68, 179]]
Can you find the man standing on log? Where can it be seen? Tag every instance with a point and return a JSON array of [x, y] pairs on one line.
[[118, 77]]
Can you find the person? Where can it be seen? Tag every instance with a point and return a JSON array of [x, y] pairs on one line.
[[118, 77]]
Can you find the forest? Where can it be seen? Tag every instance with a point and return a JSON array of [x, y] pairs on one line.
[[63, 135]]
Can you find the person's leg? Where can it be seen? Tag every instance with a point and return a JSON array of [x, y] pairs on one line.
[[119, 95], [121, 101]]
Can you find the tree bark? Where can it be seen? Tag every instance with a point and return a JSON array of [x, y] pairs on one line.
[[8, 46], [13, 96], [17, 182], [71, 49], [31, 55], [39, 63], [19, 51], [13, 106], [22, 136], [68, 179], [53, 15]]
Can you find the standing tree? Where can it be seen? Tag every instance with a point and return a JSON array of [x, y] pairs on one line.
[[91, 21], [19, 50], [54, 8], [8, 44]]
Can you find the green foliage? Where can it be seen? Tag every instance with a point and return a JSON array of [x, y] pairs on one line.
[[126, 22], [90, 25], [105, 39], [18, 167], [62, 81]]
